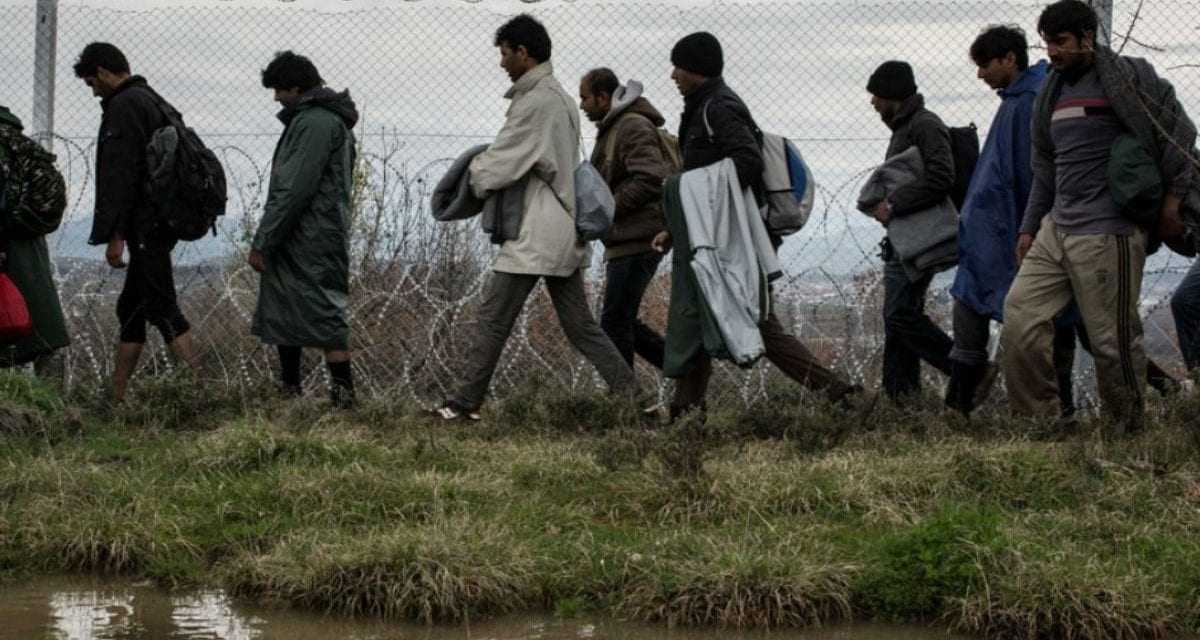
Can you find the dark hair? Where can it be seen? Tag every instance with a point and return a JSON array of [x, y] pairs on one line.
[[290, 69], [100, 55], [602, 80], [997, 41], [1068, 16], [525, 31]]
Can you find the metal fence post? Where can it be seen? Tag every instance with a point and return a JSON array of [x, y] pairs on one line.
[[45, 54], [1104, 9]]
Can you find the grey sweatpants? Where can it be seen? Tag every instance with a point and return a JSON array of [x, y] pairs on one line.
[[502, 303]]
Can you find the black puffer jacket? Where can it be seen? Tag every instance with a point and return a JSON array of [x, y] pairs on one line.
[[131, 116], [735, 134], [914, 125]]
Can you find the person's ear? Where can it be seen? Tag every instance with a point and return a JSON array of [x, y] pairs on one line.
[[1089, 41]]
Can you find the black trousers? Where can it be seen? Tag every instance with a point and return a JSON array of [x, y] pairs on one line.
[[910, 336], [626, 280], [149, 294]]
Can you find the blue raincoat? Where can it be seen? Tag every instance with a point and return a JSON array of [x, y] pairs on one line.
[[995, 203]]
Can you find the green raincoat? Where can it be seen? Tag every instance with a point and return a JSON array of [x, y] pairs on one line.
[[23, 236], [305, 230]]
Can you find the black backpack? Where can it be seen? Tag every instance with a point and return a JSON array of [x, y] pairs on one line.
[[964, 146], [186, 180]]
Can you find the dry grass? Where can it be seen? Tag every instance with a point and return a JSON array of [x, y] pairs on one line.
[[567, 503]]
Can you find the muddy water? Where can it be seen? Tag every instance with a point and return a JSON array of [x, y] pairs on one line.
[[83, 609]]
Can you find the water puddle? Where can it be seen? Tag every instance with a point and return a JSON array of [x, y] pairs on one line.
[[87, 609]]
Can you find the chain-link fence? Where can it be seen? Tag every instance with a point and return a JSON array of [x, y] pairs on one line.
[[426, 78]]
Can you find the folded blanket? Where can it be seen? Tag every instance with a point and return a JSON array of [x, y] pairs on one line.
[[452, 199]]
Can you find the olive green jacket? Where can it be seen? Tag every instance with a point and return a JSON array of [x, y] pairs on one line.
[[304, 234]]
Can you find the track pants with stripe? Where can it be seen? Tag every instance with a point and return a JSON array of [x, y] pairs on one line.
[[1104, 274]]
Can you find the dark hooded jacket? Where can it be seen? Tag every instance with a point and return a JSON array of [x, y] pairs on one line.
[[305, 229], [734, 132], [131, 116], [635, 172], [914, 125], [23, 240]]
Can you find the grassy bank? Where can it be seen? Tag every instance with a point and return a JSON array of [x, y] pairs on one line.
[[769, 517]]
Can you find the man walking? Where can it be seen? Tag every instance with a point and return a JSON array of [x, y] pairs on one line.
[[715, 125], [992, 212], [1075, 240], [538, 146], [124, 216], [302, 246], [630, 155], [910, 336]]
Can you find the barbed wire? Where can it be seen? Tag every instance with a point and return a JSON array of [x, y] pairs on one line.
[[427, 77]]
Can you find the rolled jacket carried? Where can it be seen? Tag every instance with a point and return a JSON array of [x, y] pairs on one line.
[[925, 240], [453, 199]]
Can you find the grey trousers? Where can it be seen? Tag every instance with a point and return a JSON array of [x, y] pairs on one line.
[[502, 303]]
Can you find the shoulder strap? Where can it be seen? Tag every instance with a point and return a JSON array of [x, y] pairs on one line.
[[613, 136], [708, 127], [165, 108], [578, 131]]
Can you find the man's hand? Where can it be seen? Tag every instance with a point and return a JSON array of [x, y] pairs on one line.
[[257, 261], [115, 254], [661, 242], [1170, 223], [1024, 241], [883, 212]]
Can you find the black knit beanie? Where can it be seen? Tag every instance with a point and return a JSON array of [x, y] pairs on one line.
[[700, 53], [893, 80]]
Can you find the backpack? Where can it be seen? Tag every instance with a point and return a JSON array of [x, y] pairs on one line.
[[788, 183], [667, 142], [594, 204], [186, 181], [31, 187], [964, 146]]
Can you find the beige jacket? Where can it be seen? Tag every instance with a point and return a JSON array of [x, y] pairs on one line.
[[539, 139]]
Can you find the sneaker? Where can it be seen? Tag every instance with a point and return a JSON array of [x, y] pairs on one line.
[[452, 412]]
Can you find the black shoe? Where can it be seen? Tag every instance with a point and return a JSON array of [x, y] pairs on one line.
[[991, 373], [341, 397], [965, 381]]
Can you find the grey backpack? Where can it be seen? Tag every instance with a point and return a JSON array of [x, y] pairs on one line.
[[594, 203], [595, 206], [787, 182]]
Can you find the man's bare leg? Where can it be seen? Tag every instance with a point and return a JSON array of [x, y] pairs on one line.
[[184, 349], [128, 354]]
